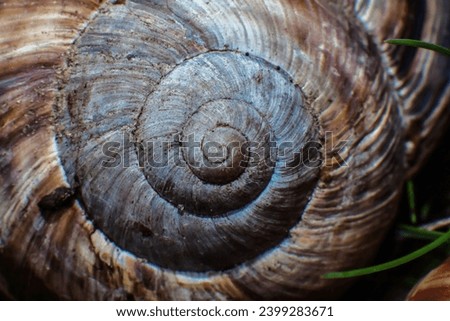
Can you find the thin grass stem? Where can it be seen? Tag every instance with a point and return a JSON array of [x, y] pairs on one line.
[[391, 264], [419, 44]]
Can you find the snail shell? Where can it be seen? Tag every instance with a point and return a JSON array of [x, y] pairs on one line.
[[434, 286], [83, 82]]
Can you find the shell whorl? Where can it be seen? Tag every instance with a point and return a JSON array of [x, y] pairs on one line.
[[220, 215], [121, 105]]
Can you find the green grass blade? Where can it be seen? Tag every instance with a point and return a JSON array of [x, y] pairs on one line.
[[411, 201], [419, 44], [391, 264], [425, 211], [419, 233]]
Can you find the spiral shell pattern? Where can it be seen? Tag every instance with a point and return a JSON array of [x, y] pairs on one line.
[[200, 149], [179, 208]]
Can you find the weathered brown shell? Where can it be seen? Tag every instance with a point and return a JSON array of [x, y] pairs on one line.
[[434, 286], [75, 74]]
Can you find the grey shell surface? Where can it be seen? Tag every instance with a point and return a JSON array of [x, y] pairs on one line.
[[334, 120]]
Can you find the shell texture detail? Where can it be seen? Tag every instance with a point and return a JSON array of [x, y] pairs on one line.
[[208, 150], [434, 286]]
